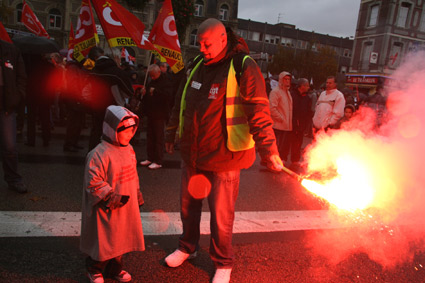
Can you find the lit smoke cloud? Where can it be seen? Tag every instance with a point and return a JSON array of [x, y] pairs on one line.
[[391, 228]]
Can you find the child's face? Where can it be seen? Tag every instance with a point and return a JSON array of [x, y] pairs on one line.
[[125, 136], [348, 113]]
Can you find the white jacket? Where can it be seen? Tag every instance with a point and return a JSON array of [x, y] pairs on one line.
[[329, 109]]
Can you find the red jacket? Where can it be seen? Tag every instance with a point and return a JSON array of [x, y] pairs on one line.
[[203, 142]]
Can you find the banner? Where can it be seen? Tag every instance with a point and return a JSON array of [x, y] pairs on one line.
[[121, 27], [165, 38], [86, 34], [71, 39], [30, 20], [3, 34]]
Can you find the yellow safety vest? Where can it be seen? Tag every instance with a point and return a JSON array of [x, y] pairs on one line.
[[238, 136]]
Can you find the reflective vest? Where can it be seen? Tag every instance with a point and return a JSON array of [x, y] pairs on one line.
[[238, 136]]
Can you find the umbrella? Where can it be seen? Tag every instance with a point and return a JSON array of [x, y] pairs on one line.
[[35, 44]]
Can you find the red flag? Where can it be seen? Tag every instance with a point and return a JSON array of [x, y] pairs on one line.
[[30, 20], [70, 54], [86, 34], [3, 34], [165, 38], [121, 27]]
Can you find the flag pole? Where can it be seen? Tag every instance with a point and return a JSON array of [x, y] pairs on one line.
[[147, 71]]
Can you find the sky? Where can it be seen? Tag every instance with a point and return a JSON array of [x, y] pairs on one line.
[[333, 17]]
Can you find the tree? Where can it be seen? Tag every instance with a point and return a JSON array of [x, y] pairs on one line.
[[283, 60], [326, 64], [183, 14]]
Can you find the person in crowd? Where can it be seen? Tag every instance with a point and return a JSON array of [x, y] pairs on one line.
[[329, 106], [155, 107], [216, 143], [40, 96], [113, 86], [268, 86], [75, 76], [12, 92], [301, 118], [349, 110], [110, 222], [281, 112]]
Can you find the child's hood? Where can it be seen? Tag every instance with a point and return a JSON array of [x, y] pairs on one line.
[[113, 116]]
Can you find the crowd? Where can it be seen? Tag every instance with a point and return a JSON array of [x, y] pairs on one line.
[[219, 110]]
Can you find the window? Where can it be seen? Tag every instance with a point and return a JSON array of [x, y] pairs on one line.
[[422, 23], [194, 38], [347, 53], [395, 54], [199, 8], [403, 14], [19, 12], [243, 34], [255, 36], [373, 19], [55, 18], [224, 13], [367, 49]]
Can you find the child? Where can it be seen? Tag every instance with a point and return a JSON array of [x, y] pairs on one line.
[[110, 223]]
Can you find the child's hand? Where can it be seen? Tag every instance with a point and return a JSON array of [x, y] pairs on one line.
[[114, 201]]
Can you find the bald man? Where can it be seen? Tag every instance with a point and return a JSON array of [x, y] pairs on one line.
[[222, 121]]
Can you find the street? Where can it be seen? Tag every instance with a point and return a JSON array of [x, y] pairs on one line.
[[277, 222]]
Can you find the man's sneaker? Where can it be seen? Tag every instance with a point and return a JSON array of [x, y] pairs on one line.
[[145, 162], [124, 276], [222, 275], [154, 166], [178, 257], [95, 278]]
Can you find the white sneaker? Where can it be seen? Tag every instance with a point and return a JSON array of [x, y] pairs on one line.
[[145, 162], [95, 278], [178, 257], [222, 275], [154, 166], [124, 276]]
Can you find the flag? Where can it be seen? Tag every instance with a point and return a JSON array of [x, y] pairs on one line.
[[30, 20], [127, 57], [165, 38], [121, 27], [3, 34], [70, 54], [86, 34]]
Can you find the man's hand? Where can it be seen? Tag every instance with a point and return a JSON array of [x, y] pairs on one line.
[[275, 162], [169, 147]]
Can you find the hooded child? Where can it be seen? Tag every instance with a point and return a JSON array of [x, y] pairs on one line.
[[110, 223]]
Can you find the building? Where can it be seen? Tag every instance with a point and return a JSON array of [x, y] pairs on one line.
[[386, 31], [263, 40]]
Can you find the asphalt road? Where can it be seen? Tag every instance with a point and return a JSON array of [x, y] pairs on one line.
[[54, 179]]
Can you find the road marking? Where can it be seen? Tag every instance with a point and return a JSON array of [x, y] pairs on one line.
[[68, 224]]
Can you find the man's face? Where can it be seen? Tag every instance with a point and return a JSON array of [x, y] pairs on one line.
[[163, 68], [330, 84], [155, 74], [304, 88], [285, 81], [212, 42]]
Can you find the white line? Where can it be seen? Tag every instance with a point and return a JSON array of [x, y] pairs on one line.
[[65, 224]]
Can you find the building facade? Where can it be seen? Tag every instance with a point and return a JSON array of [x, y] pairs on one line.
[[386, 31], [263, 40]]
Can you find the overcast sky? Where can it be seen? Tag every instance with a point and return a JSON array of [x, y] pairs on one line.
[[333, 17]]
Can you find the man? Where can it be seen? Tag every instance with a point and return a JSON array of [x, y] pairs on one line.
[[329, 106], [12, 91], [300, 120], [215, 143], [155, 107], [281, 111], [111, 85]]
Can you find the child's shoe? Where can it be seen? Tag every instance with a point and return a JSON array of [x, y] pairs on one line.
[[95, 278], [124, 276]]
